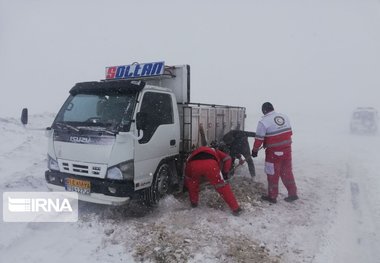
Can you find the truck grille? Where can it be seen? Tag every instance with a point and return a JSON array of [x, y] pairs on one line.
[[85, 169]]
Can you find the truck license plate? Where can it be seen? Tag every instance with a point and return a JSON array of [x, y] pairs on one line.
[[79, 186]]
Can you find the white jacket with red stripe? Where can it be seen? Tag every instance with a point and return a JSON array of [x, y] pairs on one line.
[[273, 132]]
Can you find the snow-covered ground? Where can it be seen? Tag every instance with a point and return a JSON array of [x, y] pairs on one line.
[[337, 218]]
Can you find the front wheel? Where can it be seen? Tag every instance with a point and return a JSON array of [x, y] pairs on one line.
[[159, 187]]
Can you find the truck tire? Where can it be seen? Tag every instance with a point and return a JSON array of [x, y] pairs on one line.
[[159, 187]]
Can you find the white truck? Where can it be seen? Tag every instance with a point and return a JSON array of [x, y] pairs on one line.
[[128, 136]]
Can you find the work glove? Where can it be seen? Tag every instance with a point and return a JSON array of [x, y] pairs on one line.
[[227, 175], [254, 154]]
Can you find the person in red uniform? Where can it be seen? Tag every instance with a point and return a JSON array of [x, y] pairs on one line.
[[274, 133], [206, 161]]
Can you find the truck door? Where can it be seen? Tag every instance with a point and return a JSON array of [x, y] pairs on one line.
[[161, 136]]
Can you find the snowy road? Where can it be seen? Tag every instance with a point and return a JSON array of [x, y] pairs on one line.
[[354, 235], [337, 218]]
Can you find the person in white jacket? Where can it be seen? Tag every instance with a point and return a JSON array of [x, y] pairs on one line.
[[274, 133]]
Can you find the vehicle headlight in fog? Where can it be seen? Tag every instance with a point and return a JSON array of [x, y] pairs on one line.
[[114, 173], [122, 171], [52, 164], [128, 169]]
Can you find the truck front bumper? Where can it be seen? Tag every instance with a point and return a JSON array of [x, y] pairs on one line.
[[103, 191]]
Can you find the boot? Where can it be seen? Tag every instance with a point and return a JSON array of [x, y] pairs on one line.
[[291, 198], [269, 199], [237, 212]]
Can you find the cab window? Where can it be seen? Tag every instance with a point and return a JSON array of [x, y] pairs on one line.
[[158, 108]]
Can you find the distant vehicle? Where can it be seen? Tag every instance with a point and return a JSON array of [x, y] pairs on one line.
[[364, 120]]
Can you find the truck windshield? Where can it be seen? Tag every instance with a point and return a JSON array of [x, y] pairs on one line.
[[364, 115], [109, 112]]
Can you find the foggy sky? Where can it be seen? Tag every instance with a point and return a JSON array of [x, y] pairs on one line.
[[304, 56]]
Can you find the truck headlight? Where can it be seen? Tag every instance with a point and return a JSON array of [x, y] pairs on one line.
[[52, 164], [128, 170], [122, 171], [114, 173]]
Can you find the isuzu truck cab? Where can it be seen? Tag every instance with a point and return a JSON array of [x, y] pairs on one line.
[[128, 136]]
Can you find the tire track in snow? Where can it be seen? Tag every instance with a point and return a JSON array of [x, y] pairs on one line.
[[351, 236], [365, 171], [31, 179], [14, 171], [22, 160], [23, 145], [12, 133], [363, 217]]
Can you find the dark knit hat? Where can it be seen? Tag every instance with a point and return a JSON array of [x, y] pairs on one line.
[[267, 107]]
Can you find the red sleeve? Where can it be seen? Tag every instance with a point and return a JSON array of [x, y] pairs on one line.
[[257, 144], [226, 160]]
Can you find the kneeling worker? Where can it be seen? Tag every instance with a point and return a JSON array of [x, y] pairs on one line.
[[205, 161]]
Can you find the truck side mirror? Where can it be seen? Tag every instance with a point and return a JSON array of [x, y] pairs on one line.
[[24, 116], [141, 120]]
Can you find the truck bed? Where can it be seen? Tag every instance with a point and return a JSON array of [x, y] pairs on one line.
[[216, 121]]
